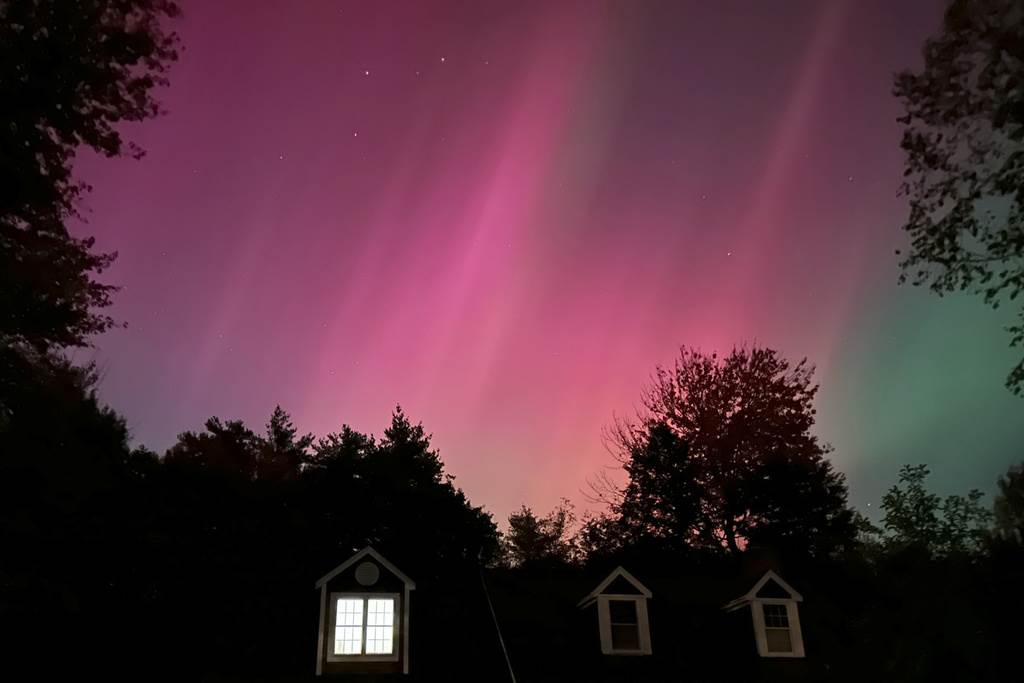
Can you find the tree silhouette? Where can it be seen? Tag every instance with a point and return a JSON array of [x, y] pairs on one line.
[[532, 539], [227, 448], [750, 469], [1008, 508], [393, 492], [283, 452], [70, 72], [665, 493], [917, 518], [964, 142]]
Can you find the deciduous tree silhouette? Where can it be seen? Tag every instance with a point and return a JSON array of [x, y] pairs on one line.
[[916, 518], [964, 142], [70, 72], [750, 470]]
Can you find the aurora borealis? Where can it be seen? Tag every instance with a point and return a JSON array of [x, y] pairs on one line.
[[503, 215]]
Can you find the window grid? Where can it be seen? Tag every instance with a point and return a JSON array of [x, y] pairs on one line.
[[364, 626], [380, 623], [348, 630], [776, 616], [776, 624]]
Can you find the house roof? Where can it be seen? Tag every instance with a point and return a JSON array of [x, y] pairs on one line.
[[550, 639], [618, 572], [410, 584], [751, 595]]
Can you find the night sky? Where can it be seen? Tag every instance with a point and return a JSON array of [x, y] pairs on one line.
[[504, 215]]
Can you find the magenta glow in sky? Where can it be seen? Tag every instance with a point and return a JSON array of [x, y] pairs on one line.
[[503, 215]]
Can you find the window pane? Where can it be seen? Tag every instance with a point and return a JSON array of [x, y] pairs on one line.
[[380, 612], [380, 620], [348, 631], [776, 616], [622, 611], [348, 640], [625, 637], [778, 640], [350, 612], [379, 640]]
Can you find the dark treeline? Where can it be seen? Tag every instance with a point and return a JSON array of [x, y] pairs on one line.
[[210, 551]]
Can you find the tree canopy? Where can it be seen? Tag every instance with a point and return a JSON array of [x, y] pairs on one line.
[[963, 135], [723, 455], [1009, 504], [532, 539], [70, 73], [915, 517]]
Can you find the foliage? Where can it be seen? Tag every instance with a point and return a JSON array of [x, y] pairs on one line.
[[724, 456], [602, 535], [915, 517], [532, 539], [663, 498], [70, 73], [964, 143], [1008, 508]]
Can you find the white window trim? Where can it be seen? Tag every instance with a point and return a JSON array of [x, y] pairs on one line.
[[796, 638], [396, 645], [605, 623]]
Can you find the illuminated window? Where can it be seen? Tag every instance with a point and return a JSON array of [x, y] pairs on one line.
[[776, 628], [364, 626], [380, 626], [348, 627]]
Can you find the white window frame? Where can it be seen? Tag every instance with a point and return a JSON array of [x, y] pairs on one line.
[[365, 597], [796, 639], [605, 623]]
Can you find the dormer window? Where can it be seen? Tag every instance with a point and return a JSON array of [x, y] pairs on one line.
[[364, 617], [775, 616], [625, 625], [622, 620], [776, 627], [365, 626]]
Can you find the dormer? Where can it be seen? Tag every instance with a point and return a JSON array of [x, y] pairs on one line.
[[775, 616], [364, 617], [623, 625]]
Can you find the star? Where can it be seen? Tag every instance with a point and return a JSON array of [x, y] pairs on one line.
[[366, 73], [355, 134], [442, 59]]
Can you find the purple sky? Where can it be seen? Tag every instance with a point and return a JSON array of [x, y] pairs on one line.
[[503, 215]]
